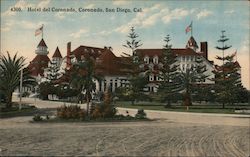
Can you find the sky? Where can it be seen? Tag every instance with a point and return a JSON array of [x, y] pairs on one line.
[[157, 19]]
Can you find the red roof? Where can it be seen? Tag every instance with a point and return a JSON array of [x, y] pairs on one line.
[[237, 64], [108, 64], [86, 51], [191, 42], [42, 43], [38, 64], [159, 52], [57, 53]]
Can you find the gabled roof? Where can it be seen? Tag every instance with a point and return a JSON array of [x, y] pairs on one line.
[[42, 43], [57, 53], [191, 42], [38, 64], [86, 51], [236, 63], [109, 64]]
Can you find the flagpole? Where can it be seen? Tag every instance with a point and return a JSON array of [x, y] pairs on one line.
[[191, 28], [236, 55], [42, 31]]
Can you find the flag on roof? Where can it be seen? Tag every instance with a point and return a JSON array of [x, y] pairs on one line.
[[189, 28], [39, 31]]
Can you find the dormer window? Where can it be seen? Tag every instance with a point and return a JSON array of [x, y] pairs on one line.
[[155, 60], [146, 59]]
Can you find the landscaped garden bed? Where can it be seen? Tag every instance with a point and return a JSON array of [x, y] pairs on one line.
[[73, 113]]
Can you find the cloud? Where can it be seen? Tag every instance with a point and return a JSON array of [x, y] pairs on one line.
[[150, 16], [90, 6], [79, 33], [21, 24], [204, 13], [229, 11], [7, 26], [141, 19], [20, 4], [23, 4], [104, 33], [62, 15], [30, 25], [120, 2], [175, 14], [43, 3]]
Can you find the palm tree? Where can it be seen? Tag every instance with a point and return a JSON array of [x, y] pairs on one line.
[[82, 78], [10, 70]]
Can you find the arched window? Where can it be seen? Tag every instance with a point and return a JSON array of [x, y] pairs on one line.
[[151, 77], [146, 59], [155, 60]]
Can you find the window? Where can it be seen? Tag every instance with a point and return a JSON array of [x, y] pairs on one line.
[[155, 60], [146, 60], [151, 77]]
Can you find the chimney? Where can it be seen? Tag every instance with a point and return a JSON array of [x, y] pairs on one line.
[[204, 49], [68, 54]]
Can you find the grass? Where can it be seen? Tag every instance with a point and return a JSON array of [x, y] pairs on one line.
[[14, 110], [197, 108]]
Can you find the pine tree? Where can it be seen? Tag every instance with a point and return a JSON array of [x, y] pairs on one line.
[[169, 86], [137, 80], [190, 78], [227, 77], [52, 72], [133, 44], [202, 91]]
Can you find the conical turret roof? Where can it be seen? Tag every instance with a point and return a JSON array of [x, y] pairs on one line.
[[42, 43], [191, 43], [57, 53]]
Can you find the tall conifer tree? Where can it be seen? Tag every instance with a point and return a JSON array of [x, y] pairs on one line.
[[137, 80], [169, 73], [227, 77]]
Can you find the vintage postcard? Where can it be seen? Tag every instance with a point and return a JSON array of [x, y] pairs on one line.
[[124, 78]]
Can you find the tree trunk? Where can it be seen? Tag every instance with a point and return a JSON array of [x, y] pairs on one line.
[[9, 100], [168, 105], [223, 105], [87, 97]]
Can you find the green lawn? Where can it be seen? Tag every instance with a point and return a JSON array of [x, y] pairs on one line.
[[199, 108], [14, 110]]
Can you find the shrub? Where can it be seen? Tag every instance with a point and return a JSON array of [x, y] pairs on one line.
[[37, 118], [104, 110], [140, 114], [71, 112]]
